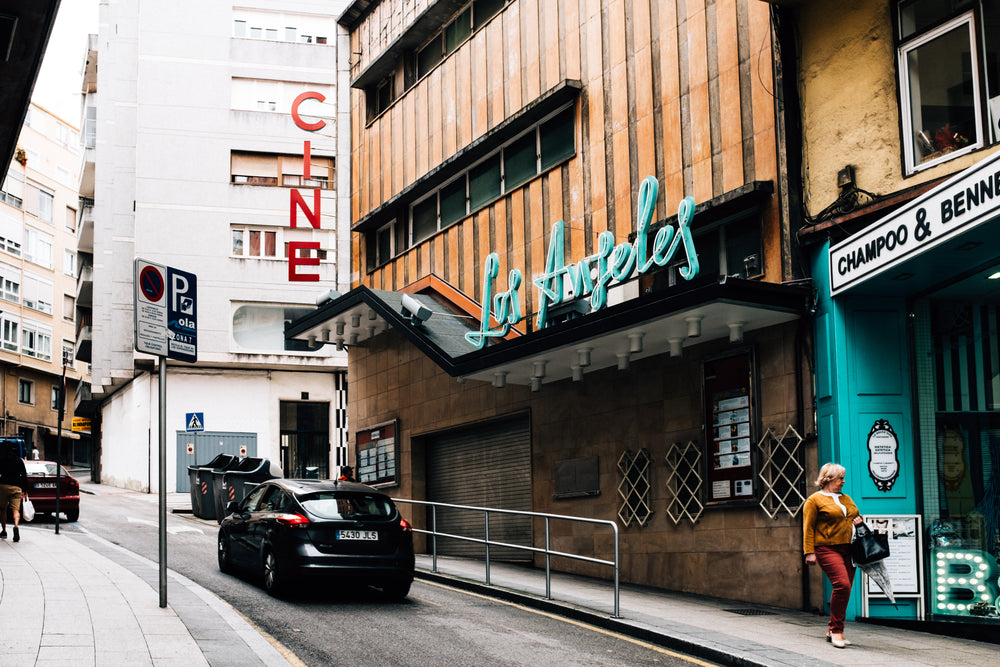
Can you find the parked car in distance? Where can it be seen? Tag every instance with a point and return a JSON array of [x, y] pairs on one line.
[[291, 530], [42, 489]]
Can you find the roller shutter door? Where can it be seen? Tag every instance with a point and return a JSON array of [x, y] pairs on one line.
[[485, 466]]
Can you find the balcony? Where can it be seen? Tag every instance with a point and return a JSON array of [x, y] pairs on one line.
[[85, 228], [85, 287], [85, 404], [83, 351]]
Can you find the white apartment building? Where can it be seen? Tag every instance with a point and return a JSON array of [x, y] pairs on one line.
[[194, 160], [38, 286]]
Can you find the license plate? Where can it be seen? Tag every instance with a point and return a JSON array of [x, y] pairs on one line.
[[357, 535], [45, 485]]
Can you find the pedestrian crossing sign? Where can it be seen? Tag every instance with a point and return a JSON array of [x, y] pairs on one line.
[[195, 421]]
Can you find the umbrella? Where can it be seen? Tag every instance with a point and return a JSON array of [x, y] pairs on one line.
[[880, 576]]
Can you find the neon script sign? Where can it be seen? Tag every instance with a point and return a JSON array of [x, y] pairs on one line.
[[591, 276], [295, 258]]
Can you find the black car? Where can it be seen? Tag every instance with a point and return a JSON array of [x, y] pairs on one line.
[[294, 529]]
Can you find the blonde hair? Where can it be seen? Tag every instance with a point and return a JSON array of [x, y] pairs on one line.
[[830, 472]]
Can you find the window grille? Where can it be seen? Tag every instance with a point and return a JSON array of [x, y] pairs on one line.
[[781, 473], [634, 488], [684, 482]]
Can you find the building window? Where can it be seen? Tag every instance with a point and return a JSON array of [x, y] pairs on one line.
[[261, 328], [70, 219], [239, 28], [36, 341], [285, 170], [54, 402], [69, 263], [254, 242], [90, 128], [472, 17], [730, 405], [25, 391], [939, 84], [543, 147], [9, 333], [67, 352], [291, 35], [320, 40], [256, 33], [45, 200], [10, 283], [38, 247], [38, 294], [11, 234], [385, 243], [69, 308]]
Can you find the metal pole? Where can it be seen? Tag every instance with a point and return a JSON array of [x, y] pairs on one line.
[[59, 420], [163, 481], [617, 606], [548, 565], [434, 538], [487, 515]]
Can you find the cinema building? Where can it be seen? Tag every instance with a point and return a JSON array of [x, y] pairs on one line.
[[574, 289]]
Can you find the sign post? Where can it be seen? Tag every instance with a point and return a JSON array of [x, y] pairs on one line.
[[166, 325]]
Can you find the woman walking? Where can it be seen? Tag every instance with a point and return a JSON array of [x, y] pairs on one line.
[[828, 520]]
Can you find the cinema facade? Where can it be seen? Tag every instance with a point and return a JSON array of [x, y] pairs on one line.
[[574, 286]]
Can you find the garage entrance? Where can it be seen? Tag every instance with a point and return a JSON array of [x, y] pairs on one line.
[[487, 465]]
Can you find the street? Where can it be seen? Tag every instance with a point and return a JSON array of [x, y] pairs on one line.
[[435, 625]]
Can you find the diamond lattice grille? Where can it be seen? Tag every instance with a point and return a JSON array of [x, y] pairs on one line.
[[634, 488], [781, 473], [684, 482]]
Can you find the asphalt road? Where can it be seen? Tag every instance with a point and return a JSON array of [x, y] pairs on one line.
[[436, 625]]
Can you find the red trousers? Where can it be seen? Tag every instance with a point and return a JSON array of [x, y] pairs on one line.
[[836, 563]]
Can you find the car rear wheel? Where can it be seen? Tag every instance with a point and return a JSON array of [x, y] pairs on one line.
[[73, 515], [274, 580], [397, 589], [225, 559]]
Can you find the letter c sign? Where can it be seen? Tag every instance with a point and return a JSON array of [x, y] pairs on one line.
[[308, 95]]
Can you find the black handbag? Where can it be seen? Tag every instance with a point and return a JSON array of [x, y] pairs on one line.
[[867, 546]]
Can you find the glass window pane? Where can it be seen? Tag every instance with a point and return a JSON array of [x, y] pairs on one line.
[[558, 138], [384, 244], [424, 219], [238, 242], [484, 10], [452, 202], [254, 244], [429, 56], [240, 28], [484, 182], [458, 30], [918, 15], [519, 162], [256, 33], [270, 241], [942, 95]]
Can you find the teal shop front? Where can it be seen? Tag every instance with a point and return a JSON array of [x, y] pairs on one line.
[[907, 334]]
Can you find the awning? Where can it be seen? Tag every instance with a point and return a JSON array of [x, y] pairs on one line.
[[66, 433], [634, 328]]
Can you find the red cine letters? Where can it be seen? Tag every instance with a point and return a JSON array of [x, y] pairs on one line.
[[297, 201]]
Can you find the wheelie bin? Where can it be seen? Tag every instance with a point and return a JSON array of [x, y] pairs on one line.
[[239, 481], [204, 480]]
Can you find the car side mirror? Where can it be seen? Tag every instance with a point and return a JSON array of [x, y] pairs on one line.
[[232, 507]]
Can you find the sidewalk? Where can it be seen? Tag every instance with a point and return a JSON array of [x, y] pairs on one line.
[[724, 631], [77, 599]]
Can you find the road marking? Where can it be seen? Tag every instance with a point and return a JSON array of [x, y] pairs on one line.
[[580, 624], [174, 531]]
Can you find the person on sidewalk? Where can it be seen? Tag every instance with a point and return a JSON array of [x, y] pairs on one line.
[[828, 520], [13, 485]]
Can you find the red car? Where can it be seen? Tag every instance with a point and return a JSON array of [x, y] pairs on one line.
[[42, 489]]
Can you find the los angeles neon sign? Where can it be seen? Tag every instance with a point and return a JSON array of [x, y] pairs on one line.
[[593, 275]]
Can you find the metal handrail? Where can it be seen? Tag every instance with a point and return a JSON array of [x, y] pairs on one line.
[[487, 542]]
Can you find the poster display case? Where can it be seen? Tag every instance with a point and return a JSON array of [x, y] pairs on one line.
[[730, 428]]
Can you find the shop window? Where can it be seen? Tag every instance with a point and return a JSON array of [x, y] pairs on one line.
[[25, 391], [729, 411], [261, 328], [376, 455], [634, 488]]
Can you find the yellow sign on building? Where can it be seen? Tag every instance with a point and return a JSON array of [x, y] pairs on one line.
[[81, 424]]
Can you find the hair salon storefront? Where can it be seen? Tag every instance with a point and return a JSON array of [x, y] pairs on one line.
[[908, 392], [646, 388]]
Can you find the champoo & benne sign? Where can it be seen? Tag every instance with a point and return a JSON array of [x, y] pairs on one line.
[[593, 275], [966, 201]]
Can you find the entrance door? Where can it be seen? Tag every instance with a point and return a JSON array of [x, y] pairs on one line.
[[305, 439], [198, 449], [488, 465]]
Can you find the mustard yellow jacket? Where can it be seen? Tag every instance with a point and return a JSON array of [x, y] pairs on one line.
[[824, 523]]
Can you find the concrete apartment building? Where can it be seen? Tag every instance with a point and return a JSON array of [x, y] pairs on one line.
[[194, 161], [38, 270]]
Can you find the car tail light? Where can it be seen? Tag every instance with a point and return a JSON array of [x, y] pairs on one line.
[[293, 520], [405, 525]]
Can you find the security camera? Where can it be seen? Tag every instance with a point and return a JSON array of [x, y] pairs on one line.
[[329, 295], [417, 312]]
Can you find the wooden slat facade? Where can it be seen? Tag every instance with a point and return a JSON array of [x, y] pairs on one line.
[[678, 89]]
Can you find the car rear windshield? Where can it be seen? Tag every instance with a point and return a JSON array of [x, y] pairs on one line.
[[34, 468], [342, 505]]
